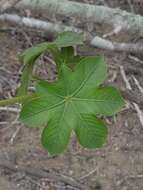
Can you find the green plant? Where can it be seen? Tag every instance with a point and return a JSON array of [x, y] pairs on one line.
[[74, 102]]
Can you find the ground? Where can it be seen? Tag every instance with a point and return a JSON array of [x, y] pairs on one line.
[[116, 166]]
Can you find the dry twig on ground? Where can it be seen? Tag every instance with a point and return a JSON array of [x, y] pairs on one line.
[[128, 86]]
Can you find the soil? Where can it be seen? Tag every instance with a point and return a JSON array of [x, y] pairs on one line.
[[116, 166]]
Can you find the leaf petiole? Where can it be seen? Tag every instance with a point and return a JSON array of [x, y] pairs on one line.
[[18, 99]]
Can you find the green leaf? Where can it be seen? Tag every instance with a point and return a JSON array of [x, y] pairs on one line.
[[68, 38], [104, 101], [74, 61], [70, 103], [29, 58], [67, 53], [56, 135], [31, 54], [91, 132], [68, 57]]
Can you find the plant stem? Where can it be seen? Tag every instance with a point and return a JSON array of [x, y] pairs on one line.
[[18, 99], [25, 78]]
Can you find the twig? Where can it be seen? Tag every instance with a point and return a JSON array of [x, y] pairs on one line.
[[16, 131], [115, 46], [15, 134], [72, 188], [26, 37], [138, 84], [10, 109], [136, 59], [132, 177], [135, 176], [88, 174], [8, 123], [116, 31], [37, 24], [4, 123], [139, 112], [128, 86], [114, 76], [132, 97]]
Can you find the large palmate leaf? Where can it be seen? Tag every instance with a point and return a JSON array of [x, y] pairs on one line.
[[71, 103]]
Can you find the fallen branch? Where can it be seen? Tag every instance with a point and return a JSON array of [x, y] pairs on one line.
[[36, 23], [115, 46], [86, 12], [55, 28]]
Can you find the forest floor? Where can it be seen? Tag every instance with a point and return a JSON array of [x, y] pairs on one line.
[[23, 161]]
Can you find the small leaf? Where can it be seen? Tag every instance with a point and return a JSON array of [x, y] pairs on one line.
[[91, 132], [68, 57], [67, 52], [31, 54], [66, 39], [29, 58]]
